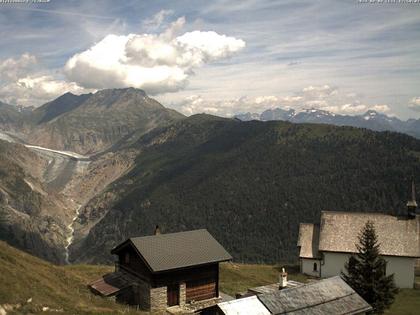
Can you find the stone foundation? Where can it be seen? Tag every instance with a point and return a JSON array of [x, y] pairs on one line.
[[182, 294], [158, 299]]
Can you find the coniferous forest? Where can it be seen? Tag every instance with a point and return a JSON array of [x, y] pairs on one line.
[[251, 183]]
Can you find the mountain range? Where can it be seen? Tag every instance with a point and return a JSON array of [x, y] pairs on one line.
[[136, 164], [87, 123], [369, 120]]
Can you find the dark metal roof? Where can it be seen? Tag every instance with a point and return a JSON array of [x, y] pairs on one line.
[[179, 250], [328, 296]]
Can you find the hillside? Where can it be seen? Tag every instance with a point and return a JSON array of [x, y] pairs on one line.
[[41, 190], [63, 288], [11, 119], [249, 183], [31, 215]]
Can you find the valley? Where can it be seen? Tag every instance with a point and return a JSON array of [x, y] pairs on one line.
[[69, 173], [60, 179], [70, 200], [56, 177]]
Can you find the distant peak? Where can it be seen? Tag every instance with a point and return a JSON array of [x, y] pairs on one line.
[[318, 112], [122, 90], [371, 112], [69, 94]]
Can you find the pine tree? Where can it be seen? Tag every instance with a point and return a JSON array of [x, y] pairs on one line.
[[366, 272]]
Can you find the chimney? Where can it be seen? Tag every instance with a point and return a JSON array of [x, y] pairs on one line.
[[282, 279], [412, 204], [157, 230]]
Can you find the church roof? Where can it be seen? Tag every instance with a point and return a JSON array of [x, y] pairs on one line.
[[308, 240], [397, 236]]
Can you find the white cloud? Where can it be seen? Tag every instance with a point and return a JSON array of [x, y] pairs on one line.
[[266, 99], [318, 97], [195, 104], [383, 108], [13, 68], [415, 103], [22, 84], [350, 109], [156, 63]]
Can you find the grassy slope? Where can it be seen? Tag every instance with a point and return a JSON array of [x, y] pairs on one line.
[[235, 278], [23, 276]]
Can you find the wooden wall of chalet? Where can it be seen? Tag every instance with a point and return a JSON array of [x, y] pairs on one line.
[[202, 282], [130, 259]]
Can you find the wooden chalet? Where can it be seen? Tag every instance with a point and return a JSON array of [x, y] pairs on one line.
[[177, 270]]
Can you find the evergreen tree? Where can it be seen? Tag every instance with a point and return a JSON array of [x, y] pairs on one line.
[[366, 272]]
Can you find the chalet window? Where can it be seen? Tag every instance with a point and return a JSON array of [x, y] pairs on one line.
[[127, 258], [315, 267]]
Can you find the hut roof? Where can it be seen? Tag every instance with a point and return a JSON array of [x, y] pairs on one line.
[[328, 296], [177, 250]]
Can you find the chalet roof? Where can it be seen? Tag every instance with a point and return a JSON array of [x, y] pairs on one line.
[[398, 236], [328, 296], [178, 250], [308, 240]]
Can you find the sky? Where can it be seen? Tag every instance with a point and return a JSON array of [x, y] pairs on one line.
[[221, 57]]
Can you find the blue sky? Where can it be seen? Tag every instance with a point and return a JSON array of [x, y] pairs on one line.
[[342, 56]]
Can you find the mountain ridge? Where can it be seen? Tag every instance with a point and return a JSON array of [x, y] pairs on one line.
[[88, 123], [370, 119]]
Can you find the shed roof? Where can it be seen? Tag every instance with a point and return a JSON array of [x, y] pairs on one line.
[[245, 306], [178, 250], [112, 283], [398, 236], [308, 240], [328, 296]]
